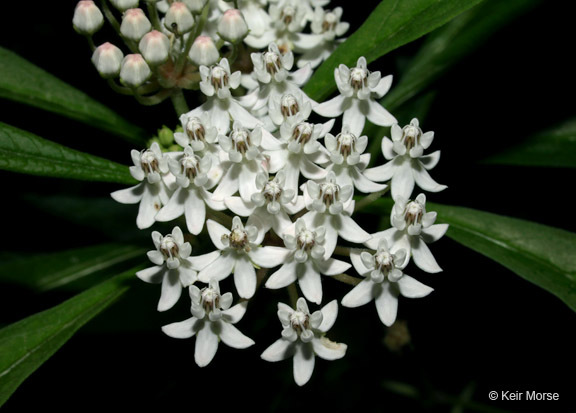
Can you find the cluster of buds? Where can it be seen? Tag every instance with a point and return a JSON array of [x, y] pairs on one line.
[[272, 187]]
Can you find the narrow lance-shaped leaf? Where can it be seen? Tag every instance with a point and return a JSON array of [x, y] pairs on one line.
[[28, 343], [391, 25], [451, 43], [541, 254], [47, 271], [554, 147], [24, 82], [24, 152]]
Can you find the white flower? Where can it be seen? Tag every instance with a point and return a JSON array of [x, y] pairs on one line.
[[221, 106], [358, 87], [303, 338], [330, 206], [412, 228], [406, 164], [290, 107], [306, 262], [173, 268], [191, 197], [239, 249], [212, 321], [150, 166], [270, 206], [348, 161], [383, 282]]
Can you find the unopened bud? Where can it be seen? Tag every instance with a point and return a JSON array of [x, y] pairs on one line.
[[155, 47], [178, 18], [196, 6], [134, 71], [108, 59], [232, 26], [124, 4], [135, 24], [87, 18], [204, 52]]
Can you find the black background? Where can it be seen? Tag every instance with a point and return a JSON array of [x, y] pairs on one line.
[[483, 326]]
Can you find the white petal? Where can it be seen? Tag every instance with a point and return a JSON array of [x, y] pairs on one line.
[[355, 258], [412, 288], [383, 86], [245, 277], [149, 206], [423, 257], [171, 290], [332, 266], [387, 305], [206, 345], [232, 337], [156, 257], [310, 170], [279, 350], [131, 195], [402, 183], [333, 107], [329, 350], [431, 160], [351, 231], [228, 184], [218, 269], [235, 313], [303, 363], [216, 231], [285, 276], [434, 232], [301, 76], [425, 181], [363, 184], [195, 212], [182, 329], [240, 114], [354, 117], [309, 282], [361, 294], [268, 257], [200, 262], [152, 275], [379, 116], [381, 173], [329, 314]]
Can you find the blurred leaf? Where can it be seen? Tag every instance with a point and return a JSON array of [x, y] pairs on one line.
[[24, 152], [541, 254], [26, 83], [28, 343], [47, 271], [451, 43], [392, 24], [554, 147]]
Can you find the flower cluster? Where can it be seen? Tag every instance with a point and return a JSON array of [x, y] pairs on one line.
[[265, 177]]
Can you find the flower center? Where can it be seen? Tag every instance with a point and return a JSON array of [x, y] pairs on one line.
[[149, 162], [190, 166], [195, 129], [346, 143], [413, 213], [272, 62], [410, 136], [329, 23], [169, 247], [210, 299], [219, 77], [272, 191], [288, 13], [384, 261], [329, 193], [302, 133], [306, 239], [240, 140], [289, 106], [358, 78], [238, 239], [299, 321]]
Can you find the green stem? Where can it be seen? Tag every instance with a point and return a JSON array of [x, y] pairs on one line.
[[154, 18], [154, 99], [293, 294], [120, 89], [110, 16], [181, 62], [347, 279], [91, 43], [368, 199], [179, 102]]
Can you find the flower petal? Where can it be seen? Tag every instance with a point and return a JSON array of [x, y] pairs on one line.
[[182, 329], [285, 276], [412, 288], [425, 181], [235, 313], [232, 337], [218, 269], [279, 350], [200, 262], [244, 277], [268, 257], [434, 232], [333, 107], [131, 195], [327, 349], [329, 314], [303, 363], [387, 304], [152, 275], [361, 294], [195, 212], [309, 282], [216, 231], [402, 183], [423, 257], [354, 117], [171, 290], [378, 115], [332, 266], [206, 345], [351, 231]]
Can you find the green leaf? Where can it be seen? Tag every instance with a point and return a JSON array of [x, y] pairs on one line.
[[541, 254], [24, 152], [43, 272], [392, 24], [23, 82], [28, 343], [554, 147], [451, 43]]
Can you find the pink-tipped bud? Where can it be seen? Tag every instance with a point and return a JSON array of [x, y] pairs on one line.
[[232, 26], [108, 59], [196, 6], [134, 71], [204, 52], [124, 4], [155, 47], [135, 24], [87, 18], [179, 19]]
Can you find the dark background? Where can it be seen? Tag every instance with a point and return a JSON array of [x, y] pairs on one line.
[[483, 328]]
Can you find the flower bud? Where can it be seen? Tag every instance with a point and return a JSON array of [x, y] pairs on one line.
[[124, 4], [87, 18], [155, 47], [196, 6], [134, 71], [232, 26], [135, 24], [179, 19], [108, 59], [204, 52]]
